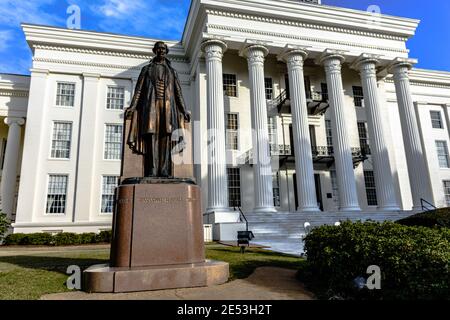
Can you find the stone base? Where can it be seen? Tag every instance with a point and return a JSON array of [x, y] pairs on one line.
[[104, 279]]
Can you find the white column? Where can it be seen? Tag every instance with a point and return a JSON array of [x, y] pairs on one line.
[[262, 169], [9, 174], [417, 169], [217, 167], [87, 151], [302, 144], [381, 165], [342, 151]]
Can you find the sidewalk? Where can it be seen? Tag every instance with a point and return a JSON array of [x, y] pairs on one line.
[[266, 283]]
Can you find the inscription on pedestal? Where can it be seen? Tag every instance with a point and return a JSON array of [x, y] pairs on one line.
[[165, 222]]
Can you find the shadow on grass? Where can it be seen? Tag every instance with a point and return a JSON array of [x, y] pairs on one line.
[[243, 265], [58, 264]]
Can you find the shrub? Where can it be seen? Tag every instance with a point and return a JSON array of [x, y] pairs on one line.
[[4, 225], [66, 239], [414, 261], [436, 218], [14, 239], [39, 239], [104, 236], [87, 238], [60, 239]]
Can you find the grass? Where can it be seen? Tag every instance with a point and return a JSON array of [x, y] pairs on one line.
[[28, 275]]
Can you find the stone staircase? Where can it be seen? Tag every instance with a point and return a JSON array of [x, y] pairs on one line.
[[283, 231]]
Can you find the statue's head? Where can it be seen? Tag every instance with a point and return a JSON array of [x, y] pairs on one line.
[[160, 49]]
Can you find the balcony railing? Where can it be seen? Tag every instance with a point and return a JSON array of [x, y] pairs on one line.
[[319, 153], [317, 102]]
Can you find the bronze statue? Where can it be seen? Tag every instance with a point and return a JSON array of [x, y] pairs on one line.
[[157, 110]]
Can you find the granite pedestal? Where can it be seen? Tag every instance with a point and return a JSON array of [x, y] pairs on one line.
[[157, 240]]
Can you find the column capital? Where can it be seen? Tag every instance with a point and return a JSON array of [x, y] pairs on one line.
[[329, 55], [214, 48], [254, 53], [39, 72], [294, 57], [14, 120], [91, 76], [290, 50], [401, 64], [366, 59]]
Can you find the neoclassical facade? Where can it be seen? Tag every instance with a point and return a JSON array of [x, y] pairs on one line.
[[318, 115]]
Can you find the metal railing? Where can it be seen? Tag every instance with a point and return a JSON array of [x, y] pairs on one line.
[[242, 216], [317, 151], [427, 206]]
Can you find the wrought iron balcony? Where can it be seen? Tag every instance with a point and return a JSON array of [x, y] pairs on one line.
[[317, 103], [321, 155]]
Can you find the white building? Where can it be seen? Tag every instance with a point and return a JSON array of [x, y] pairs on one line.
[[354, 130]]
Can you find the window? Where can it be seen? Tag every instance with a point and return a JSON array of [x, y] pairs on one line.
[[230, 85], [232, 131], [268, 84], [436, 120], [276, 189], [62, 132], [335, 188], [329, 133], [371, 191], [56, 194], [65, 96], [442, 152], [447, 193], [3, 149], [272, 127], [109, 184], [324, 89], [363, 138], [115, 98], [234, 187], [358, 96], [113, 142], [308, 87]]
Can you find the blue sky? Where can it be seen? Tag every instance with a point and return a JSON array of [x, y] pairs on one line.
[[431, 45]]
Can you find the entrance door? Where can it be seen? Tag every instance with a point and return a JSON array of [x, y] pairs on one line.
[[286, 81], [295, 191], [318, 191]]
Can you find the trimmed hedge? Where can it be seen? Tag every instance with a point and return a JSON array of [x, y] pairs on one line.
[[414, 261], [436, 218], [4, 225], [59, 239]]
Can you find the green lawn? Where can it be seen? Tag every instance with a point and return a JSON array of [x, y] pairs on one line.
[[32, 274]]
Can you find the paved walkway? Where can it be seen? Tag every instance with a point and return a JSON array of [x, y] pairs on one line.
[[266, 283]]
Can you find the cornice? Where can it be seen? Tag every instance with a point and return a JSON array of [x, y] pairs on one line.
[[94, 64], [93, 40], [304, 38], [14, 93], [297, 11], [294, 23], [107, 53], [424, 83]]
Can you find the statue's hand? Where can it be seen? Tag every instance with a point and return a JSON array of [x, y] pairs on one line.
[[187, 117]]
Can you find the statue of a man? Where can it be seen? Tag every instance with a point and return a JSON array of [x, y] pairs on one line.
[[157, 111]]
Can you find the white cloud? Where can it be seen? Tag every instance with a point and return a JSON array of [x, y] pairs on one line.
[[14, 12], [5, 38], [154, 18], [120, 9]]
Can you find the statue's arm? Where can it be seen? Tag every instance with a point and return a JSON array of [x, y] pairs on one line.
[[137, 93], [180, 100]]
